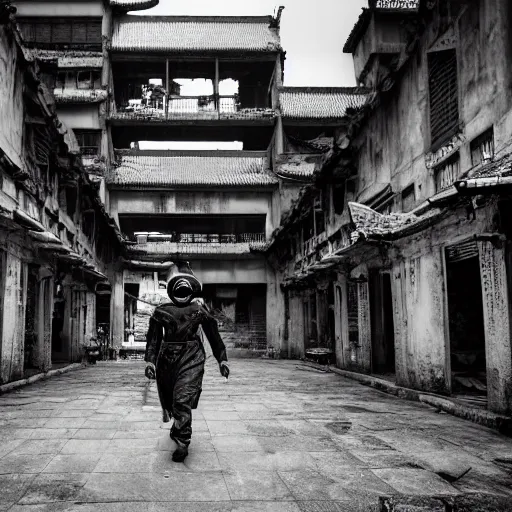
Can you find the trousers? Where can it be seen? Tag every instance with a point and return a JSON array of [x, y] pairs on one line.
[[179, 378]]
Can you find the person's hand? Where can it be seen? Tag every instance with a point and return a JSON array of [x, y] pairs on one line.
[[224, 369], [150, 371]]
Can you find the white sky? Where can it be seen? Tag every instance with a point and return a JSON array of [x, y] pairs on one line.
[[312, 33]]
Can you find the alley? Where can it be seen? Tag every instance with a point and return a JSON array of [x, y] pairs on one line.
[[279, 436]]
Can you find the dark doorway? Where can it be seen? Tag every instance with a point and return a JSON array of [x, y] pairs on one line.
[[383, 331], [31, 320], [466, 320], [59, 306]]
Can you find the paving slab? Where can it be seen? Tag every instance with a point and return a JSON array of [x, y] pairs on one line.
[[295, 441]]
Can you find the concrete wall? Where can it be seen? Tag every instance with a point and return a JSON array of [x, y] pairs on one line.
[[83, 117], [483, 54], [11, 99], [59, 8], [419, 318], [190, 202], [12, 318]]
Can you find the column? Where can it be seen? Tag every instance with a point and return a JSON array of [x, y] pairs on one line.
[[117, 310], [43, 356], [341, 343], [365, 333], [13, 320], [498, 352]]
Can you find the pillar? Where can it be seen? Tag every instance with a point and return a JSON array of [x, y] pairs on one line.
[[13, 319], [341, 342], [498, 352], [43, 355], [275, 312], [117, 309], [365, 332]]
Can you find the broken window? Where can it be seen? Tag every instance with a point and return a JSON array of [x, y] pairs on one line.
[[89, 79], [408, 199], [89, 141], [443, 88], [446, 173], [482, 148]]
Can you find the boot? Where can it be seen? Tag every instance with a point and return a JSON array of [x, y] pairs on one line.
[[180, 454]]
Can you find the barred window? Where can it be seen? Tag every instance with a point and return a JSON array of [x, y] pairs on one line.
[[447, 173], [63, 32], [482, 148], [444, 105]]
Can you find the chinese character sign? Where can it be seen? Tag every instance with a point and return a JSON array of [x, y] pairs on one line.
[[398, 4]]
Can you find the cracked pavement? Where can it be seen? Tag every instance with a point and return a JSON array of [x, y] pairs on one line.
[[279, 436]]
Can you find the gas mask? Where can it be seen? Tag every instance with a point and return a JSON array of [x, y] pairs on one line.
[[182, 285]]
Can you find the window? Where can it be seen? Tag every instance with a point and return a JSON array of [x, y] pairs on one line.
[[60, 32], [408, 199], [338, 197], [88, 79], [447, 173], [482, 148], [444, 106], [89, 141]]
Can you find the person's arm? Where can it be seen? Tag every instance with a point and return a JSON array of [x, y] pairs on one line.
[[211, 331], [153, 342]]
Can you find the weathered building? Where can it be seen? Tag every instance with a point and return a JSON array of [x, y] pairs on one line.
[[118, 81], [421, 273], [56, 238]]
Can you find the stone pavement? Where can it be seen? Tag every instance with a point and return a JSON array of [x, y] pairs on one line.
[[278, 437]]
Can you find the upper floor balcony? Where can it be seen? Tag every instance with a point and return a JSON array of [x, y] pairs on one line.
[[170, 107], [156, 246]]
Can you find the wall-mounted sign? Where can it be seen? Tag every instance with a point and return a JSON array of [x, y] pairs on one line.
[[403, 5]]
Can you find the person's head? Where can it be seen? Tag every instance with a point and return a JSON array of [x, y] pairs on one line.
[[182, 284]]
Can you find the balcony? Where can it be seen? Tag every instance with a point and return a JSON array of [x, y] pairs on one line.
[[183, 245], [190, 108]]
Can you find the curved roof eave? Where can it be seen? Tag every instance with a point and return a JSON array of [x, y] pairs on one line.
[[133, 5]]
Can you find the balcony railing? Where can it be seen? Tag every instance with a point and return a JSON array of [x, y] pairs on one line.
[[173, 107], [200, 238]]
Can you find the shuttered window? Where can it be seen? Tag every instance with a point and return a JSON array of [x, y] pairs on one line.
[[444, 104], [89, 141], [447, 173], [62, 32], [482, 148]]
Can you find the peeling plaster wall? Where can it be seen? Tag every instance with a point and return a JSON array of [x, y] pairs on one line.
[[13, 318], [484, 50], [11, 99], [275, 312], [296, 347], [418, 306]]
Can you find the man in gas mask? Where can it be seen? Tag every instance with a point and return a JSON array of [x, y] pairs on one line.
[[175, 355]]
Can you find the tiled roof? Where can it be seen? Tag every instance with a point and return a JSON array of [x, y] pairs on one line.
[[79, 95], [370, 224], [320, 102], [194, 34], [66, 58], [488, 176], [297, 170], [169, 169], [134, 5]]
